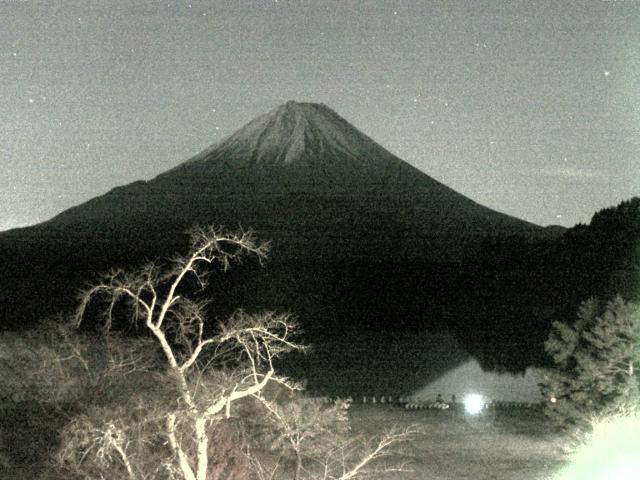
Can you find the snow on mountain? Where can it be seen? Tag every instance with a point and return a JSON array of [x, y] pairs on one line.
[[299, 145], [298, 134]]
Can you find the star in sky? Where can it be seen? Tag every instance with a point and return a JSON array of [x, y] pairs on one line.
[[186, 74]]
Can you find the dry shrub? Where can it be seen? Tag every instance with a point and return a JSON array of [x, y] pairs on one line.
[[227, 461]]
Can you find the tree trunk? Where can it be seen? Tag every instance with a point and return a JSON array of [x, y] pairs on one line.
[[296, 475], [203, 447]]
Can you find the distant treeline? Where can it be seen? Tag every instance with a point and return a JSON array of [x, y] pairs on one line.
[[515, 288], [499, 301]]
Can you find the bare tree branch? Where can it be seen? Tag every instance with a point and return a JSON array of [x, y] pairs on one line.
[[178, 326], [363, 465]]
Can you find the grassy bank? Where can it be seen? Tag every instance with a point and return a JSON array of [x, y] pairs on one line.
[[517, 445]]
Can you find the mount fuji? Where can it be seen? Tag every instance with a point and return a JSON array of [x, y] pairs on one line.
[[362, 242], [303, 177]]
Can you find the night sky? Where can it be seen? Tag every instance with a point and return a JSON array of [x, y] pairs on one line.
[[531, 108]]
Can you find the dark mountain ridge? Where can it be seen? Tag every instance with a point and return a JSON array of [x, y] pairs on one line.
[[307, 179]]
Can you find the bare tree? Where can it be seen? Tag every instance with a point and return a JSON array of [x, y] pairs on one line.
[[172, 426], [364, 459], [305, 427], [324, 448], [205, 393]]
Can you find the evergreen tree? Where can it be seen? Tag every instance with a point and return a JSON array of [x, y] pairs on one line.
[[596, 371]]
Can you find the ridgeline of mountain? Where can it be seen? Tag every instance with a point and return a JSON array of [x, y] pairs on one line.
[[305, 178]]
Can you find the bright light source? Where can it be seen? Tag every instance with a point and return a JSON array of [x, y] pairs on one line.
[[474, 403], [628, 471], [611, 454]]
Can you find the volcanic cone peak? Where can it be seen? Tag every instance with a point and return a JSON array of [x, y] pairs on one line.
[[295, 174], [306, 139]]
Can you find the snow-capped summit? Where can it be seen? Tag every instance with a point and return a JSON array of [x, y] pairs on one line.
[[304, 140], [294, 133]]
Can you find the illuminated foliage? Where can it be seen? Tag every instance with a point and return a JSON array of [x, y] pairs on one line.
[[596, 361]]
